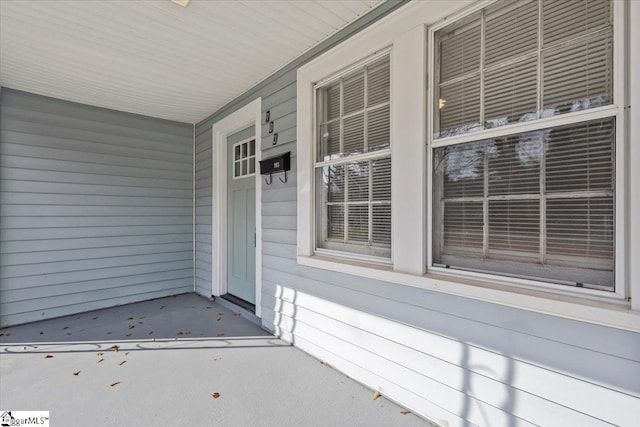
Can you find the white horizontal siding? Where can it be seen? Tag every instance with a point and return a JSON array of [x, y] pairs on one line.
[[489, 388], [95, 208]]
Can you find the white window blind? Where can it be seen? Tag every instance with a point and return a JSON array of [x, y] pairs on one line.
[[519, 61], [353, 162], [536, 204]]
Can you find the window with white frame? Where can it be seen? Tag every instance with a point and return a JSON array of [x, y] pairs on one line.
[[353, 162], [525, 131], [244, 158]]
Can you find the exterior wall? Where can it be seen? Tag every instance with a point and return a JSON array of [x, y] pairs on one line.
[[454, 360], [96, 208], [286, 77]]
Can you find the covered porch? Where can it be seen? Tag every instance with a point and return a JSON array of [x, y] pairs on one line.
[[162, 361]]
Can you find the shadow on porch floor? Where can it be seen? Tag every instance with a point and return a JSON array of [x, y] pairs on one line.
[[160, 362]]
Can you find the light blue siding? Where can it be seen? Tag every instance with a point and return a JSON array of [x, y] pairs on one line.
[[445, 357], [95, 208]]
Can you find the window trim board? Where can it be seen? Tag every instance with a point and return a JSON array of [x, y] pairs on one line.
[[609, 312]]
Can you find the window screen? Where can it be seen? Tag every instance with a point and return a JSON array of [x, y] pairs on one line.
[[536, 204], [353, 162]]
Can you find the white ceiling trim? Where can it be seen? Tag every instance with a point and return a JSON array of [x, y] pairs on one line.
[[157, 58]]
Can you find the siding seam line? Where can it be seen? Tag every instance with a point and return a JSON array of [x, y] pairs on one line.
[[193, 207]]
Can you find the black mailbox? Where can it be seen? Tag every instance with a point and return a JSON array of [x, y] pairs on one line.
[[275, 164]]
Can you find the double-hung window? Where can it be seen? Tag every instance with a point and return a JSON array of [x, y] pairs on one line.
[[524, 141], [353, 162]]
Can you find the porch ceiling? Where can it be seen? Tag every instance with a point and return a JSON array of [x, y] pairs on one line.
[[200, 349], [157, 58]]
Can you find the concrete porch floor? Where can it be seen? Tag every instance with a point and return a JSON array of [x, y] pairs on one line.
[[172, 355]]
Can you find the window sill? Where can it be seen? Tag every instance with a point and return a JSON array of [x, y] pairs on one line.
[[610, 313]]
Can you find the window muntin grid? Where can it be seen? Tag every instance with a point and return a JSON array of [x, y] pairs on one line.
[[353, 162], [552, 217], [244, 159]]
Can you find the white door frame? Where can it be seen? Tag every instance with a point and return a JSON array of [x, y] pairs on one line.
[[238, 120]]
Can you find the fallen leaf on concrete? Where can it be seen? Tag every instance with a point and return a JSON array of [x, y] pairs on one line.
[[217, 358], [150, 333], [220, 313], [109, 333], [41, 333], [405, 412], [129, 334], [188, 333], [1, 335], [209, 307], [237, 314], [376, 395], [95, 317], [218, 319], [48, 356], [123, 362], [77, 373], [115, 347], [325, 363], [221, 334], [66, 327], [127, 353], [131, 326], [101, 360], [130, 318], [99, 353], [114, 384], [140, 323], [215, 395]]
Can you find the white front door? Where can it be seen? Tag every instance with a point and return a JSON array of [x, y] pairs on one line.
[[241, 215]]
